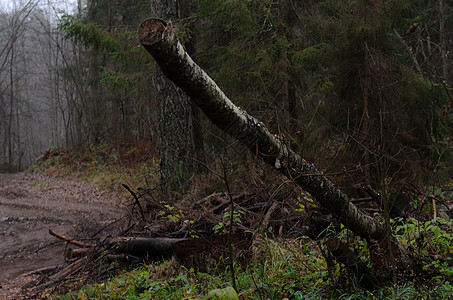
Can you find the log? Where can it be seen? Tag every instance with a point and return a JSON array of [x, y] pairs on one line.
[[69, 270], [41, 271], [73, 253], [152, 248], [159, 39], [192, 252]]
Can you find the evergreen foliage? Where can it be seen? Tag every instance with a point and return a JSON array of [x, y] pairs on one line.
[[337, 79], [359, 103], [88, 34]]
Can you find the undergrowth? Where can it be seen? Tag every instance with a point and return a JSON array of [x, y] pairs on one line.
[[280, 268], [292, 269]]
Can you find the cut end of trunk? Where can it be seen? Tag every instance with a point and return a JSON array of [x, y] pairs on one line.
[[151, 31], [333, 244]]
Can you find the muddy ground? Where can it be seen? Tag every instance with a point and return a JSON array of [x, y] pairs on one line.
[[31, 204]]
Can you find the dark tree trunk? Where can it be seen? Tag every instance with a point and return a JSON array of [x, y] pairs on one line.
[[177, 131], [145, 247]]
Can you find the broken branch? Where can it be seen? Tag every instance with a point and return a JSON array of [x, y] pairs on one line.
[[70, 241]]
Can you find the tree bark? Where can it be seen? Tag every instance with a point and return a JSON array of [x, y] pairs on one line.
[[177, 139], [158, 38], [443, 45]]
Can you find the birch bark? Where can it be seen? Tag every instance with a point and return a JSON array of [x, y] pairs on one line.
[[158, 38]]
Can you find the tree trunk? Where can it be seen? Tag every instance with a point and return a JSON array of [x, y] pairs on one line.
[[145, 247], [175, 118], [159, 39], [443, 45], [95, 110]]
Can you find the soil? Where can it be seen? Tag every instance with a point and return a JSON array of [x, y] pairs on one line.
[[30, 205]]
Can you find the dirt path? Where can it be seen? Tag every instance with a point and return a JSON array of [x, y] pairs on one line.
[[31, 204]]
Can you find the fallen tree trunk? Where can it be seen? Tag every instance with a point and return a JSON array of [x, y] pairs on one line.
[[145, 247], [199, 252], [158, 38]]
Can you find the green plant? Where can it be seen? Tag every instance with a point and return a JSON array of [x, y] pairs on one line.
[[433, 236], [189, 224], [305, 199], [224, 225], [431, 240]]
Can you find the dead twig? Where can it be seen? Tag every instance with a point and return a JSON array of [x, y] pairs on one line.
[[70, 241], [268, 215], [136, 201]]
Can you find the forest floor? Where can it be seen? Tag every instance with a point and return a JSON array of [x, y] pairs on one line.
[[30, 205]]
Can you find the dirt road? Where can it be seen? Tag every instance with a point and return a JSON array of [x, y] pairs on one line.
[[31, 204]]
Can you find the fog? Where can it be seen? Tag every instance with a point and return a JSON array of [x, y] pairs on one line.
[[33, 95]]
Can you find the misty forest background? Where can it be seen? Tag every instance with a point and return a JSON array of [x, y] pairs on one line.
[[360, 88]]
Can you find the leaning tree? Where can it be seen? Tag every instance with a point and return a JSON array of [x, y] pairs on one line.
[[159, 39]]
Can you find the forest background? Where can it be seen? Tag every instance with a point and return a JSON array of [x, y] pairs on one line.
[[345, 83]]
